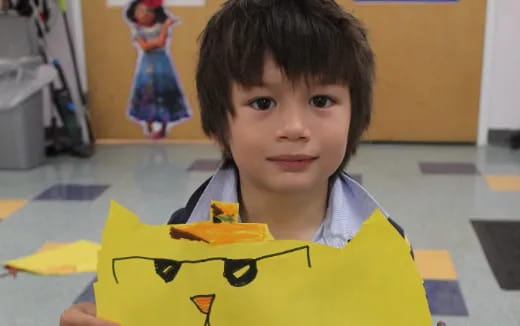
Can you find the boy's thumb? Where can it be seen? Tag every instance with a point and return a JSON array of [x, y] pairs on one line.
[[83, 314], [87, 308]]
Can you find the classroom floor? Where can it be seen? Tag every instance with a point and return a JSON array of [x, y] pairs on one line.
[[437, 193]]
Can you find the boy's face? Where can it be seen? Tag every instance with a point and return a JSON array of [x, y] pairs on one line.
[[288, 137]]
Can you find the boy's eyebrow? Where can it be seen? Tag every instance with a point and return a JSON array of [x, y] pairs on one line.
[[317, 83], [260, 84]]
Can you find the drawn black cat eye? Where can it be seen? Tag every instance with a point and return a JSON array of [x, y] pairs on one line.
[[167, 269], [238, 272]]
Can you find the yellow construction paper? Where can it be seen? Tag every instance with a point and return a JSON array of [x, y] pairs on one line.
[[47, 246], [147, 278], [62, 259]]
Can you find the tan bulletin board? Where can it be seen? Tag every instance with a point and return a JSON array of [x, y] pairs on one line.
[[429, 58]]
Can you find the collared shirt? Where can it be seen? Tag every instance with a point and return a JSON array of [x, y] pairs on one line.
[[349, 206]]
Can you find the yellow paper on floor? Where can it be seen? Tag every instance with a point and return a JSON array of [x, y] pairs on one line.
[[60, 259], [47, 246], [146, 277]]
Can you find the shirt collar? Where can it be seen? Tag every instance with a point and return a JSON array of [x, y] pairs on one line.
[[349, 206]]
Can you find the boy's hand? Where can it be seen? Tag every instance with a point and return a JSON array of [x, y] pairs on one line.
[[82, 314]]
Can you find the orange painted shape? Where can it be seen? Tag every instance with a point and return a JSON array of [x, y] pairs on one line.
[[226, 233], [226, 210]]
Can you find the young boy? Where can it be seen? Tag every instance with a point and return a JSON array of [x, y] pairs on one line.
[[285, 89]]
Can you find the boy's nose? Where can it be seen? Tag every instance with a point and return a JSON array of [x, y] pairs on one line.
[[293, 126]]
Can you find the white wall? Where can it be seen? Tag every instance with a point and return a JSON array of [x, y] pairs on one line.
[[76, 24], [505, 85], [500, 102]]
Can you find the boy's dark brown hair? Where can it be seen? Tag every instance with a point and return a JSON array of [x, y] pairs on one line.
[[306, 38]]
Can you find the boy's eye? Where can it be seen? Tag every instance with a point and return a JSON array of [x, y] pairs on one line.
[[321, 101], [262, 104]]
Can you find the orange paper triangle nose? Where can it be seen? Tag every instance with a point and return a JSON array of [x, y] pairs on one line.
[[203, 302]]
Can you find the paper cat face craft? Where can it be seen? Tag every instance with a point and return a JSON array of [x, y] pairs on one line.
[[223, 274]]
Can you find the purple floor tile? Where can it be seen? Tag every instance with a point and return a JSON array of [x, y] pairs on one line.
[[445, 298], [204, 166], [72, 192], [448, 168]]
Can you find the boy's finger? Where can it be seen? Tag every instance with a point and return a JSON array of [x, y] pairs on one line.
[[83, 314], [84, 320], [86, 307]]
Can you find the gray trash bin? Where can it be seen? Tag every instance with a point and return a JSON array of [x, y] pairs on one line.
[[22, 139]]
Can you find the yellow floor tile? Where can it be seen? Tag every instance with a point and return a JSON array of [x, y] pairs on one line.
[[435, 265], [504, 182], [9, 207]]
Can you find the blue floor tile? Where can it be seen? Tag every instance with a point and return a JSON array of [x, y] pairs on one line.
[[448, 168], [72, 192], [445, 298]]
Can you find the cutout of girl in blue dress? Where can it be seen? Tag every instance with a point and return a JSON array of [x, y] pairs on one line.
[[157, 97]]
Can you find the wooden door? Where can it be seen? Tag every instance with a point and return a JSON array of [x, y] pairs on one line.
[[429, 60]]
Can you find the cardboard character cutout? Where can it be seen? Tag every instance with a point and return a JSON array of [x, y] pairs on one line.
[[157, 101]]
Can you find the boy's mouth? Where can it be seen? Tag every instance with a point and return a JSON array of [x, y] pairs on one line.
[[293, 163], [292, 158]]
